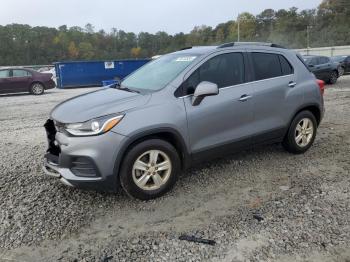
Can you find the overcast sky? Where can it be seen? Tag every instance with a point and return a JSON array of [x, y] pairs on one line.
[[151, 16]]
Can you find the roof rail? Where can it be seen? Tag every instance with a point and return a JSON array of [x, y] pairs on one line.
[[231, 44], [185, 48], [196, 46]]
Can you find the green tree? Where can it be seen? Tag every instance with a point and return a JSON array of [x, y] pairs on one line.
[[72, 50], [23, 44], [86, 51]]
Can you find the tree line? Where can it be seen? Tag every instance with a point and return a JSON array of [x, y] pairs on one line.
[[328, 25]]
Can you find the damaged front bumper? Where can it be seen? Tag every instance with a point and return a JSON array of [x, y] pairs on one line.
[[52, 169], [83, 162]]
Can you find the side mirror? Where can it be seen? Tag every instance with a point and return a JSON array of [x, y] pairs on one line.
[[202, 90]]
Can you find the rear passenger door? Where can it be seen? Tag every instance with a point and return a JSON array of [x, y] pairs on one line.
[[221, 121], [273, 85]]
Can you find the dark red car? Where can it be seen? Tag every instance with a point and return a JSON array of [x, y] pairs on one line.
[[17, 80]]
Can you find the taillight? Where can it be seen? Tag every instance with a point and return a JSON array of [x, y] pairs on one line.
[[321, 84]]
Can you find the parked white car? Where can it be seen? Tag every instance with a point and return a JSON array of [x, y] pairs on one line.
[[53, 72]]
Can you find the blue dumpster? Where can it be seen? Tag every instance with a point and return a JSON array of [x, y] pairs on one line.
[[93, 73]]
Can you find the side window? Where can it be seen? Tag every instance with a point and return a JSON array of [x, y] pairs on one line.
[[191, 83], [4, 73], [266, 65], [322, 60], [19, 73], [287, 68], [315, 61], [224, 70]]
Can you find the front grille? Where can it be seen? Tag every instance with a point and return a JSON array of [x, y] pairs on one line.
[[83, 167]]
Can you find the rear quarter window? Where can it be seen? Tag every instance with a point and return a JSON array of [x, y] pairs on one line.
[[287, 68], [303, 62]]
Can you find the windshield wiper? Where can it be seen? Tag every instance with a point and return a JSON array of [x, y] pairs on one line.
[[128, 89], [124, 88]]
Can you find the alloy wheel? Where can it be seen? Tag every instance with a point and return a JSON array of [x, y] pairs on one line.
[[151, 170], [304, 132], [37, 89]]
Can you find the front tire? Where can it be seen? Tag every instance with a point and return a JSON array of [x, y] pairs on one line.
[[333, 78], [37, 89], [301, 133], [150, 169]]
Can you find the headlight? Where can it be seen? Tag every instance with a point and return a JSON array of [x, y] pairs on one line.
[[95, 126]]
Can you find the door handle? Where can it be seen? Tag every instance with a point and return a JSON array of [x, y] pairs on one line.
[[244, 98], [292, 84]]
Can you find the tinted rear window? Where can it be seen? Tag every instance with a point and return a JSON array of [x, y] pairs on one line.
[[303, 61], [287, 69], [266, 65]]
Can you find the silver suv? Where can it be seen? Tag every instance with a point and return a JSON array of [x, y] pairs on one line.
[[180, 109]]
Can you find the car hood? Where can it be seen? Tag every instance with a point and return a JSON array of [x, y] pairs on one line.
[[96, 104]]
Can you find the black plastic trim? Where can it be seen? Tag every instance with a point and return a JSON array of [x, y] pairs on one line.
[[269, 137], [186, 157]]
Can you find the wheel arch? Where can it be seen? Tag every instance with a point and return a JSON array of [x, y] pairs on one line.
[[167, 134], [313, 108]]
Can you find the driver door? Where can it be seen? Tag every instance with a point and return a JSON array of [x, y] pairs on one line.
[[5, 81], [224, 121]]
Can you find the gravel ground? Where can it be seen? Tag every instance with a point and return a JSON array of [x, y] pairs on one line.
[[259, 205]]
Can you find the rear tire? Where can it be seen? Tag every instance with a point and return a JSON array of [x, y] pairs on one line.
[[37, 89], [301, 134], [150, 169]]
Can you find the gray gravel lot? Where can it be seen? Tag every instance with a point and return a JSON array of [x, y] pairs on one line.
[[304, 200]]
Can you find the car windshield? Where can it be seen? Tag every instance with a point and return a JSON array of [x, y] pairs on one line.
[[158, 73]]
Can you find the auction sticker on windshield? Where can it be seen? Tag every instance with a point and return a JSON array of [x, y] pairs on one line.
[[186, 59]]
